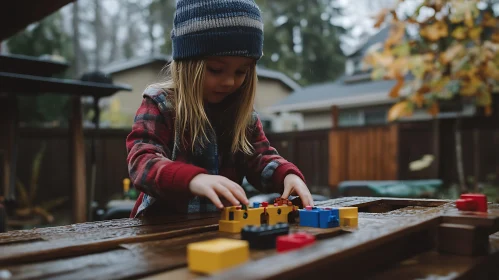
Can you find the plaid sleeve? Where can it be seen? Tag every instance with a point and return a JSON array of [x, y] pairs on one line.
[[149, 159], [266, 169]]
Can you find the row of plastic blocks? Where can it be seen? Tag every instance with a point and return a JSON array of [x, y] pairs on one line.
[[328, 217], [212, 256], [472, 202], [234, 218]]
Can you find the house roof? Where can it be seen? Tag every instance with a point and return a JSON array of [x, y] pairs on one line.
[[123, 65], [17, 15], [262, 73], [276, 75], [379, 37], [323, 96], [346, 91]]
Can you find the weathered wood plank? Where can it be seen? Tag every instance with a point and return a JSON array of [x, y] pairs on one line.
[[86, 244], [446, 265], [171, 254], [73, 230], [52, 269], [390, 231]]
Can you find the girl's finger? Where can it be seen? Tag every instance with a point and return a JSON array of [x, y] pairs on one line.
[[306, 197], [212, 195], [225, 192], [287, 192], [240, 193]]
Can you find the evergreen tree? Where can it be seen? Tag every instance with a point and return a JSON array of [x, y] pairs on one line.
[[301, 41], [44, 38]]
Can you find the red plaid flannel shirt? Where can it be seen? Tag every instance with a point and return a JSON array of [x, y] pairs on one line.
[[150, 144]]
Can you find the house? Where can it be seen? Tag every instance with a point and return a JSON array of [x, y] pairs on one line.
[[354, 98], [140, 72]]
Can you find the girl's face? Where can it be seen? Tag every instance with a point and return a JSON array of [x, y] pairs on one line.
[[224, 75]]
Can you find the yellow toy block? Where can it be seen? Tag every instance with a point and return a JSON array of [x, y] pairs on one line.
[[217, 254], [349, 222], [233, 218], [349, 216]]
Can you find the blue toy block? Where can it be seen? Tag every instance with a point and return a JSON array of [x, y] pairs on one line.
[[329, 218], [256, 204], [309, 218]]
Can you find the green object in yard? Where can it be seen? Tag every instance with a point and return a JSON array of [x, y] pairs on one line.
[[409, 188], [132, 193]]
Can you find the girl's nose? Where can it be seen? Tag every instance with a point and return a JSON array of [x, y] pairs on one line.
[[229, 81]]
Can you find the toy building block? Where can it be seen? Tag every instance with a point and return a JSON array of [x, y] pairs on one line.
[[309, 217], [215, 255], [234, 218], [472, 202], [264, 237], [349, 216], [329, 218], [319, 218], [294, 241]]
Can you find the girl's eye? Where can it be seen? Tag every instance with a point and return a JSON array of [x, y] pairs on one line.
[[239, 73], [214, 71]]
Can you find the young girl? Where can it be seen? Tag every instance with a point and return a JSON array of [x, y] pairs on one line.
[[196, 135]]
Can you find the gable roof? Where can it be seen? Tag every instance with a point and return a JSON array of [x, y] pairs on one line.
[[323, 96], [347, 91], [263, 73], [127, 64], [276, 75], [379, 37]]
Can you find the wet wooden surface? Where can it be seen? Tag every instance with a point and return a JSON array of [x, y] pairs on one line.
[[395, 240]]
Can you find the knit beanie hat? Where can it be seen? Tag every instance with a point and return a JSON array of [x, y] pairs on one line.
[[217, 28]]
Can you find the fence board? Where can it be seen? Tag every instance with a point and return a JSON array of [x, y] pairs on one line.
[[366, 153]]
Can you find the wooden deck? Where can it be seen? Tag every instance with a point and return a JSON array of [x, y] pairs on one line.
[[396, 239]]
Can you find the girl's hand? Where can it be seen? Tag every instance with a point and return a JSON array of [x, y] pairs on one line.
[[294, 184], [213, 186]]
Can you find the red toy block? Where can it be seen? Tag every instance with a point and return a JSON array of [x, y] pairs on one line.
[[294, 241], [480, 201], [466, 204]]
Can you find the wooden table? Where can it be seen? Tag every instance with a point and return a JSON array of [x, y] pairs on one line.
[[396, 239]]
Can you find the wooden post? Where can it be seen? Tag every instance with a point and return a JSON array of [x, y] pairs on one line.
[[8, 146], [77, 153], [476, 157], [335, 113], [436, 148]]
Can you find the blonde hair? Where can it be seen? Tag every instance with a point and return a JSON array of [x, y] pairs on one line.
[[185, 80]]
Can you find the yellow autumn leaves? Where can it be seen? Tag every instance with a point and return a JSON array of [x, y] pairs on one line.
[[457, 53]]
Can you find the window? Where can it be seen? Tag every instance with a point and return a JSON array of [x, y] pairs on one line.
[[350, 118], [267, 125], [373, 117]]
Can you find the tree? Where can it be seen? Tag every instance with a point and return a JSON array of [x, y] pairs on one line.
[[454, 55], [161, 15], [46, 37], [301, 41]]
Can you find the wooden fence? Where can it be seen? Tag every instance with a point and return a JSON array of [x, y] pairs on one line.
[[479, 142], [308, 150], [363, 153], [385, 152], [326, 157], [55, 172]]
